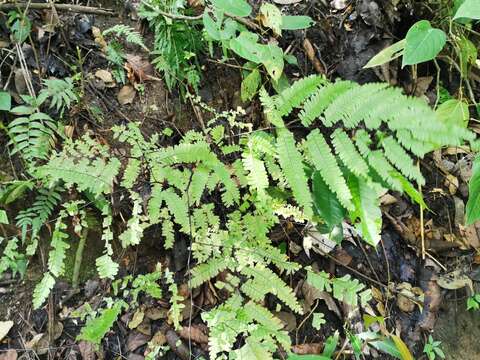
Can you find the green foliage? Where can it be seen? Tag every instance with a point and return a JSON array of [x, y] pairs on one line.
[[5, 101], [422, 43], [60, 92], [473, 203], [473, 302], [127, 33], [96, 327], [20, 26], [470, 9], [12, 259], [356, 166], [433, 349]]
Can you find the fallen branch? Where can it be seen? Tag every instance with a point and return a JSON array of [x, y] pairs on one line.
[[58, 7]]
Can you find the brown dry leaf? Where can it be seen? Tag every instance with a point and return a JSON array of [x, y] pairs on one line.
[[138, 68], [145, 327], [470, 234], [97, 34], [307, 349], [454, 280], [286, 2], [126, 95], [451, 182], [422, 85], [388, 199], [310, 52], [136, 339], [156, 313], [197, 333], [195, 3], [456, 150], [87, 350], [343, 257], [106, 77], [137, 319], [159, 339], [33, 342], [8, 355]]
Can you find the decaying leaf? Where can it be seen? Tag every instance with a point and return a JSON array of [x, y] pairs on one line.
[[454, 280], [126, 95], [137, 319], [197, 333], [9, 354], [138, 68], [307, 349]]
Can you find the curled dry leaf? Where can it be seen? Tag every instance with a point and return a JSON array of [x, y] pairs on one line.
[[288, 319], [454, 280], [451, 182], [432, 301], [9, 354], [137, 319], [197, 333], [126, 95], [138, 68], [307, 349]]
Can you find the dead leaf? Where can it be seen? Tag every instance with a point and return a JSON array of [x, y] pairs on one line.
[[343, 257], [137, 319], [311, 55], [307, 349], [156, 313], [454, 280], [310, 294], [145, 327], [106, 77], [138, 68], [5, 327], [9, 355], [451, 182], [422, 85], [87, 350], [197, 333], [97, 34], [286, 2], [136, 339], [288, 319], [158, 339], [30, 345], [126, 95], [388, 199], [470, 234]]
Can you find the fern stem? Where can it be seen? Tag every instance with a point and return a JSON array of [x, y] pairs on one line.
[[78, 258]]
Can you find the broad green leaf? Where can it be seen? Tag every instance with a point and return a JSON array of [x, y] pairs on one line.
[[210, 26], [296, 22], [409, 189], [470, 9], [21, 29], [402, 348], [233, 7], [271, 17], [3, 217], [5, 101], [273, 61], [367, 210], [96, 328], [454, 112], [15, 191], [473, 203], [325, 202], [250, 85], [386, 55], [330, 345], [423, 43], [387, 346]]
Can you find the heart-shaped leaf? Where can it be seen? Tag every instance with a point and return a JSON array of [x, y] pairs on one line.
[[233, 7], [423, 43], [470, 9]]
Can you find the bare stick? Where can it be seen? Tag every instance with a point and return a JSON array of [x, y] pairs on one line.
[[58, 7]]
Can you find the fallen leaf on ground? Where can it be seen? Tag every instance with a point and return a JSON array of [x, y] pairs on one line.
[[5, 327], [136, 339], [454, 280], [197, 333], [126, 95], [159, 339], [156, 313], [451, 182], [138, 68], [87, 350], [288, 319], [307, 349], [137, 319]]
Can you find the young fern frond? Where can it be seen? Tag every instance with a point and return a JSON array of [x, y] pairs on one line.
[[348, 153], [131, 35]]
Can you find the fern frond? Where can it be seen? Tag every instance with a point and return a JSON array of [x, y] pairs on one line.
[[231, 194], [61, 93], [131, 173], [131, 35], [264, 281], [199, 183], [380, 164], [178, 207], [290, 161], [270, 109], [321, 99], [323, 160], [106, 267], [397, 155], [293, 96], [348, 153], [206, 271], [257, 175], [56, 256], [42, 290]]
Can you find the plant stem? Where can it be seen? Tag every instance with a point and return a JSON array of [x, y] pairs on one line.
[[78, 258]]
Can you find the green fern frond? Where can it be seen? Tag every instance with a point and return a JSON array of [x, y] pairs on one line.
[[323, 160], [42, 290], [56, 256], [178, 207], [131, 36], [295, 95], [397, 155], [380, 164], [199, 183], [206, 271], [257, 175], [291, 162], [131, 173], [321, 99], [106, 267], [349, 154], [61, 93]]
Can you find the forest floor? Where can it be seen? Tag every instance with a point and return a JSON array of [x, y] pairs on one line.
[[345, 36]]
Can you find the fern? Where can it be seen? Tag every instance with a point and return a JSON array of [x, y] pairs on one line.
[[42, 290], [131, 36], [290, 160], [206, 271], [56, 257], [175, 301], [61, 93]]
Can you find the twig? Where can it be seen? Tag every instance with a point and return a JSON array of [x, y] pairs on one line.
[[59, 7], [310, 52]]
